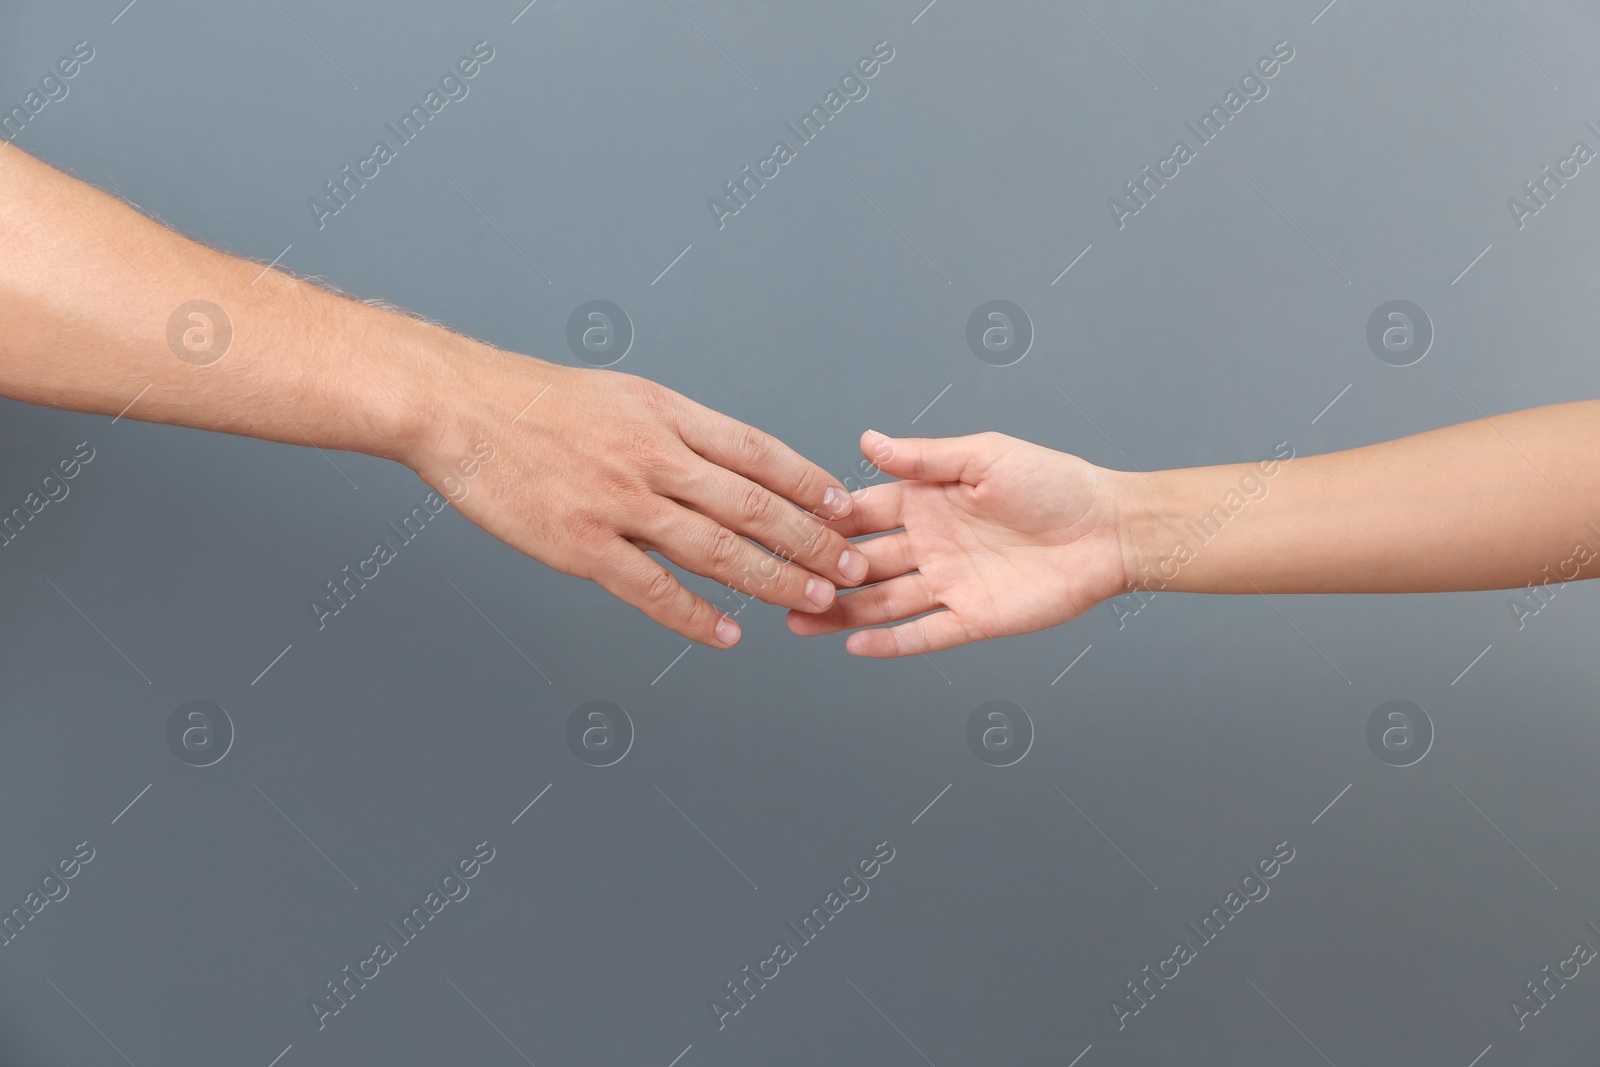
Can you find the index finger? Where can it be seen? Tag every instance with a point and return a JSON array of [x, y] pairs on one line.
[[763, 459]]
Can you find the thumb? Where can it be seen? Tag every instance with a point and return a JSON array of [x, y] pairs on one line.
[[931, 459]]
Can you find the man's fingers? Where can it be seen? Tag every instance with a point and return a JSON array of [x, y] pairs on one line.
[[763, 459], [929, 459], [630, 575], [899, 598], [707, 547], [931, 633], [767, 518]]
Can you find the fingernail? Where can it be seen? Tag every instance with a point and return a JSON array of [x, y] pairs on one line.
[[728, 632], [819, 592], [853, 565], [837, 502]]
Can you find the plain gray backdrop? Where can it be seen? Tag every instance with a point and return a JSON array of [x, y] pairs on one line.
[[1187, 740]]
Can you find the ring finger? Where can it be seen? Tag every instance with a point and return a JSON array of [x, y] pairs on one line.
[[702, 545], [763, 516]]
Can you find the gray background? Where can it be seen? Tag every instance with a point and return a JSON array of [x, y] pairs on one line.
[[1220, 321]]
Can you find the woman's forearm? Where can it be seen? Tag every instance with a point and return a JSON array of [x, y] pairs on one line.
[[1495, 503]]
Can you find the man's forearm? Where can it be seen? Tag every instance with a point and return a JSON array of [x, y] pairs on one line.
[[89, 289], [103, 310], [1482, 505]]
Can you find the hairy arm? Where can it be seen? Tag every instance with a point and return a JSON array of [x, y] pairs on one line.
[[87, 288], [591, 470]]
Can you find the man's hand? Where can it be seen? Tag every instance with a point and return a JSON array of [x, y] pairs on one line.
[[1006, 536], [592, 469]]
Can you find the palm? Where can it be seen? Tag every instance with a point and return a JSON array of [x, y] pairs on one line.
[[1024, 549], [1023, 538]]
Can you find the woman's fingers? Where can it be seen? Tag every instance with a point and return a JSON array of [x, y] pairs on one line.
[[892, 601], [931, 633], [899, 598], [931, 459], [705, 546], [628, 574], [877, 508], [888, 556]]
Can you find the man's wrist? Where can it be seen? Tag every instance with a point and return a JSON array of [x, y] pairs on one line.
[[447, 393], [429, 369], [406, 373], [344, 374]]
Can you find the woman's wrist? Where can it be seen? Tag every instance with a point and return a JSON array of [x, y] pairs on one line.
[[1185, 530], [1170, 523], [1143, 507]]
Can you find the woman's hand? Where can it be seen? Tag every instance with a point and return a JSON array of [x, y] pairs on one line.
[[587, 470], [1005, 536]]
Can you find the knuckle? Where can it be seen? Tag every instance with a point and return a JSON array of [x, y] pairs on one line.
[[803, 548], [692, 616], [647, 392], [783, 583], [870, 606], [911, 636], [810, 484], [725, 549], [794, 534], [624, 486], [641, 444], [769, 576], [660, 589], [813, 539], [752, 447], [755, 505], [653, 397], [587, 526]]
